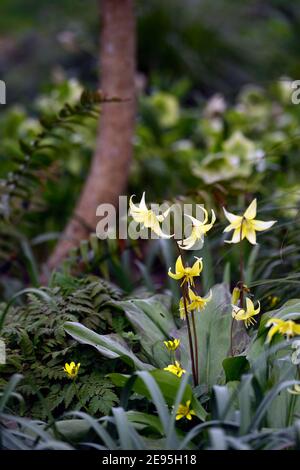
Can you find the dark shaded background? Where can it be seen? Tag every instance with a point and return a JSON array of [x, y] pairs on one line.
[[219, 45]]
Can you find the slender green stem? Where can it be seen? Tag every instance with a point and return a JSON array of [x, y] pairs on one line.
[[78, 397], [185, 297], [292, 403], [190, 337], [196, 347], [241, 271], [241, 287], [231, 337]]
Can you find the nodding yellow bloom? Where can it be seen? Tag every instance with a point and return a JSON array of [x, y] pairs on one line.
[[285, 327], [196, 303], [184, 411], [175, 369], [236, 293], [295, 390], [172, 345], [187, 274], [245, 226], [147, 218], [247, 315], [199, 229], [72, 369], [235, 297]]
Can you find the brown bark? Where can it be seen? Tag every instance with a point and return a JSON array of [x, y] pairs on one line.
[[109, 170]]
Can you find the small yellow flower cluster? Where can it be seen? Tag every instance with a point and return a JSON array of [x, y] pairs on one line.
[[187, 274], [148, 219], [175, 368], [243, 226], [243, 309]]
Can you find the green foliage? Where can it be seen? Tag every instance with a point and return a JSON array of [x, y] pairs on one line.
[[37, 346], [169, 386], [237, 424], [213, 155], [217, 44], [37, 155], [244, 146], [266, 368], [152, 321]]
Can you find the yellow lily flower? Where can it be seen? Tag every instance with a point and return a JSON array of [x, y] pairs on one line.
[[285, 327], [295, 390], [72, 369], [147, 218], [175, 369], [247, 315], [172, 345], [200, 228], [184, 411], [245, 226], [196, 303], [186, 273]]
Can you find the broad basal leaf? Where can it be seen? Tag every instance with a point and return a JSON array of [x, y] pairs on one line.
[[111, 346], [153, 322]]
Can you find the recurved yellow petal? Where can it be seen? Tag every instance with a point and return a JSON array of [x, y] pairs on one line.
[[235, 220], [197, 267], [179, 268], [250, 212], [259, 225], [175, 276]]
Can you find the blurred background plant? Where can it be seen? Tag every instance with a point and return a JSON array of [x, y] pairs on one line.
[[217, 45], [219, 154], [215, 125]]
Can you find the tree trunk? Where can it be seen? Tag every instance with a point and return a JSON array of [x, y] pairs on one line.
[[109, 170]]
